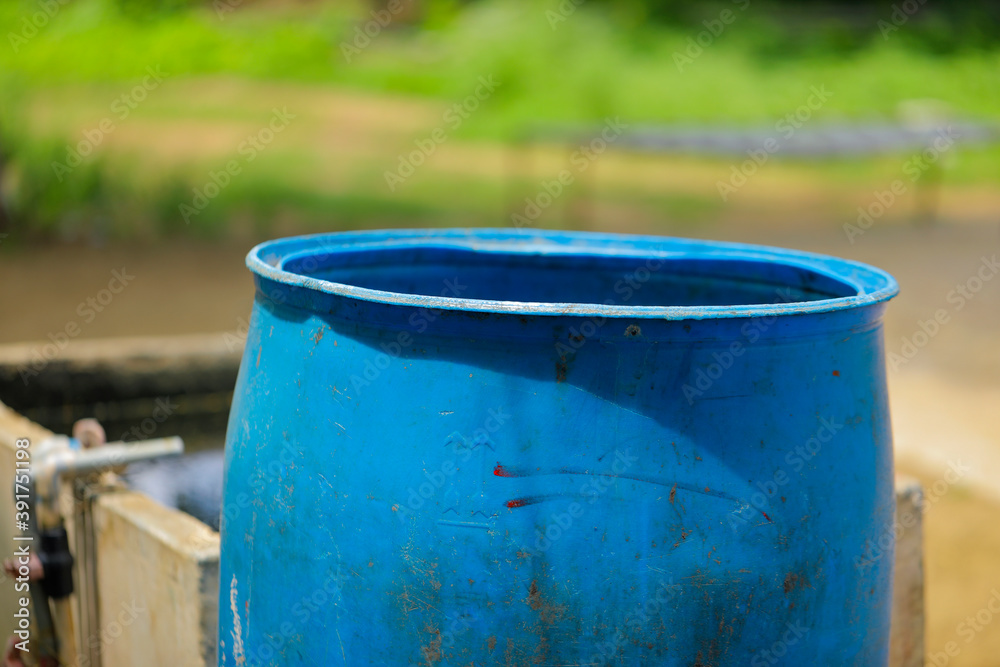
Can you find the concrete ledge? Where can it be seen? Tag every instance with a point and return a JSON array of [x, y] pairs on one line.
[[88, 371]]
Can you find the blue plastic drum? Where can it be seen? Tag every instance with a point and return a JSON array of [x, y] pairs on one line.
[[498, 447]]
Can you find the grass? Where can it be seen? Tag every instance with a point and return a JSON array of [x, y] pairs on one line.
[[581, 70]]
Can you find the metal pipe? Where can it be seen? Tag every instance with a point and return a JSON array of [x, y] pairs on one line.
[[55, 458], [55, 462]]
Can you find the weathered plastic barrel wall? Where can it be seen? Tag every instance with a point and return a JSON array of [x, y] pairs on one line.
[[491, 447]]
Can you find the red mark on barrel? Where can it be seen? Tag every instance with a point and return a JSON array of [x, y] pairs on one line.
[[500, 471], [836, 374], [524, 501], [766, 516]]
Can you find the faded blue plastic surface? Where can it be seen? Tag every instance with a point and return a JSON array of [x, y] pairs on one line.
[[497, 447]]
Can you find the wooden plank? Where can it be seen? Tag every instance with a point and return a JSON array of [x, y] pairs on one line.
[[158, 584], [907, 642]]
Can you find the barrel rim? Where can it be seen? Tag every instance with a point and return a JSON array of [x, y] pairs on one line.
[[872, 284]]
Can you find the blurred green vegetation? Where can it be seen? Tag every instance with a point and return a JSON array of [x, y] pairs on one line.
[[554, 66], [581, 68]]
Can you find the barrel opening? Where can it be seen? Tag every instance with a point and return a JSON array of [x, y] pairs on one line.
[[451, 272]]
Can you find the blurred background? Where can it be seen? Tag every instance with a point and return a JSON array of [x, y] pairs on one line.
[[146, 145]]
